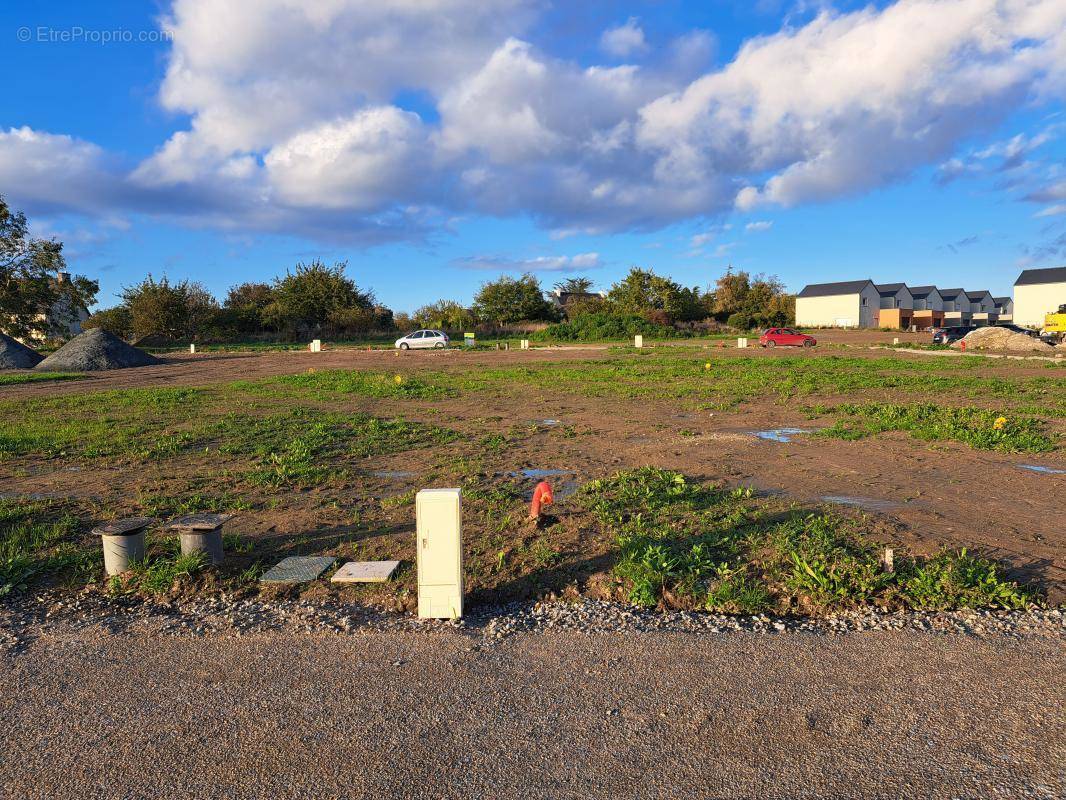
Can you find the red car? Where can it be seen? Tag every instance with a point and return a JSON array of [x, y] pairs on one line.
[[786, 337]]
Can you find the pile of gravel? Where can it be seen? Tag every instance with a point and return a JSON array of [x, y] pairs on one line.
[[15, 355], [96, 349], [993, 338]]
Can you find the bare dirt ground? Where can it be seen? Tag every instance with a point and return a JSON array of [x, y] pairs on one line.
[[558, 715], [924, 495]]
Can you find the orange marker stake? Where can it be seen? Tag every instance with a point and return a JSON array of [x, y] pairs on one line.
[[542, 496]]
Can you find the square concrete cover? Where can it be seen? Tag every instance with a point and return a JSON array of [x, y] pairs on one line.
[[297, 569], [365, 572]]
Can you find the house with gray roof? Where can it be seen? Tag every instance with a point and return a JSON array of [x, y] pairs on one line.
[[1038, 292], [845, 304]]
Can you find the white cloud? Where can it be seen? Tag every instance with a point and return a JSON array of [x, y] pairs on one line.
[[759, 225], [575, 263], [297, 123], [1052, 211], [624, 40], [850, 102], [376, 157]]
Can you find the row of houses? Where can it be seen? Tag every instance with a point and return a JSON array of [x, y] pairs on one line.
[[864, 304]]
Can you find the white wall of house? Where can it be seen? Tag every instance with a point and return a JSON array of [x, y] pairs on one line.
[[1033, 301], [857, 310]]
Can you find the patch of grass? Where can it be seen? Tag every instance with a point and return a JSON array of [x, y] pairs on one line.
[[235, 543], [979, 428], [399, 500], [685, 545], [334, 382], [140, 422], [301, 447], [195, 502], [162, 570], [681, 373], [38, 377], [37, 541]]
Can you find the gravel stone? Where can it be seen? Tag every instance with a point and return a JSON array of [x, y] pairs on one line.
[[15, 355], [96, 349]]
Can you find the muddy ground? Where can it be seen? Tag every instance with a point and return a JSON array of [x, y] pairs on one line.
[[920, 494]]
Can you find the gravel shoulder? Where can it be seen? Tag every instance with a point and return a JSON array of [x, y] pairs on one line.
[[291, 700]]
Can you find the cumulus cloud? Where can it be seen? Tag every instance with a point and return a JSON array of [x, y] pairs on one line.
[[624, 40], [575, 263], [297, 122]]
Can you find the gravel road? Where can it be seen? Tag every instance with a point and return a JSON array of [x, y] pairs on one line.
[[95, 708]]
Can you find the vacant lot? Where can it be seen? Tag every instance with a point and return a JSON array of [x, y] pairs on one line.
[[665, 492]]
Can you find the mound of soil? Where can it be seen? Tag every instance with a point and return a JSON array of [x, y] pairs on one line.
[[96, 349], [15, 355], [1000, 339]]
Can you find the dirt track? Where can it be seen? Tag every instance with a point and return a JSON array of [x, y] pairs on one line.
[[567, 715]]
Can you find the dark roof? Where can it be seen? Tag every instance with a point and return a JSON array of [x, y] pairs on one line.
[[1002, 301], [949, 293], [830, 289], [889, 289], [1050, 275], [922, 291], [978, 294]]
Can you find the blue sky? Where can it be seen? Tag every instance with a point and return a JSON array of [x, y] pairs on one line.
[[921, 141]]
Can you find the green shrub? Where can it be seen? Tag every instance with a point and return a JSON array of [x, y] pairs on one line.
[[603, 326]]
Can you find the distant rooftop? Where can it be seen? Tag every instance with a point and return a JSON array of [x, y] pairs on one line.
[[830, 289], [922, 291], [1030, 277], [947, 294], [889, 289], [978, 294]]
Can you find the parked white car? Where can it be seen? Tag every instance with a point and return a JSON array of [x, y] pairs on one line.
[[423, 338]]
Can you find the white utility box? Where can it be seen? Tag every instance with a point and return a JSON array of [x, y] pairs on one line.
[[742, 342], [638, 341], [316, 345], [438, 514]]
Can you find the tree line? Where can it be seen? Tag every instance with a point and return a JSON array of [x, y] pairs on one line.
[[321, 301]]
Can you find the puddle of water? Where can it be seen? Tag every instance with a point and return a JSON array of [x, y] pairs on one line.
[[780, 434], [392, 474], [547, 422], [1043, 470], [561, 489], [542, 473], [869, 503]]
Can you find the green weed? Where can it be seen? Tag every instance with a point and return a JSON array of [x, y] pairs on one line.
[[683, 544], [161, 571], [39, 540], [979, 428]]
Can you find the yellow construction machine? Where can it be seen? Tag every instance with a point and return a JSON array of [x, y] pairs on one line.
[[1055, 325]]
